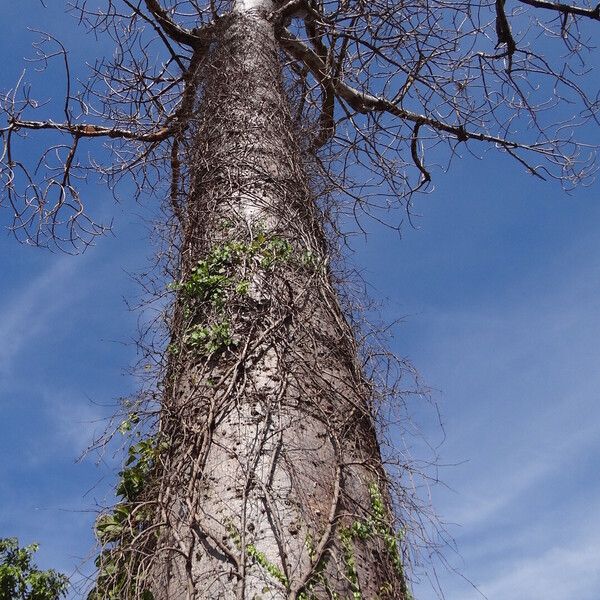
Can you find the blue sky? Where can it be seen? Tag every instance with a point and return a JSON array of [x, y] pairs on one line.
[[499, 289]]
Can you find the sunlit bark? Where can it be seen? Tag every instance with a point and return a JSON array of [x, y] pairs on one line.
[[274, 466]]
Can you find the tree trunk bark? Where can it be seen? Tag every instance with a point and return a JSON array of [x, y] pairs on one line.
[[270, 484]]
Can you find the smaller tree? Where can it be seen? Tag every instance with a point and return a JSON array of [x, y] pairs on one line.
[[20, 579]]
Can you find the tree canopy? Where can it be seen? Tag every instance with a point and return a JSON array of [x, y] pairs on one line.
[[397, 88]]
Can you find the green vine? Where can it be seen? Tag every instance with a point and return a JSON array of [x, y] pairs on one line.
[[385, 531], [213, 280], [209, 287], [318, 577], [113, 530], [260, 558], [208, 280], [206, 340], [376, 525], [255, 554], [347, 539]]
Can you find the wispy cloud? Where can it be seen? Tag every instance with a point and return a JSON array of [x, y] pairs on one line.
[[520, 397], [27, 313], [75, 422], [555, 573]]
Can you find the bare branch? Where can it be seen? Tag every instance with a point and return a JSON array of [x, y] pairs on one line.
[[92, 131], [179, 34], [592, 13], [364, 102]]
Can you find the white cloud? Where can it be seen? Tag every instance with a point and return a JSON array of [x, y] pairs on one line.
[[29, 312], [73, 420], [520, 397], [554, 574]]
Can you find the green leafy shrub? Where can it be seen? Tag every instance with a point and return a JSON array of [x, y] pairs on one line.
[[20, 579]]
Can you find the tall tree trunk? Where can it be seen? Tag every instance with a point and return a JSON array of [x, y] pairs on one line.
[[271, 483]]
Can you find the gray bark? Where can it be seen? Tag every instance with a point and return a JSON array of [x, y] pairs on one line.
[[272, 465]]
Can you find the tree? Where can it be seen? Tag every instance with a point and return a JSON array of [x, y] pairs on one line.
[[20, 579], [262, 475]]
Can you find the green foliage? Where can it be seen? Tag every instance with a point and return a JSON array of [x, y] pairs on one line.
[[376, 525], [127, 424], [209, 339], [309, 260], [272, 250], [242, 287], [20, 579], [214, 278], [127, 518], [112, 582], [347, 539], [273, 570], [384, 530], [253, 552], [109, 527], [361, 530], [211, 278], [140, 462]]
